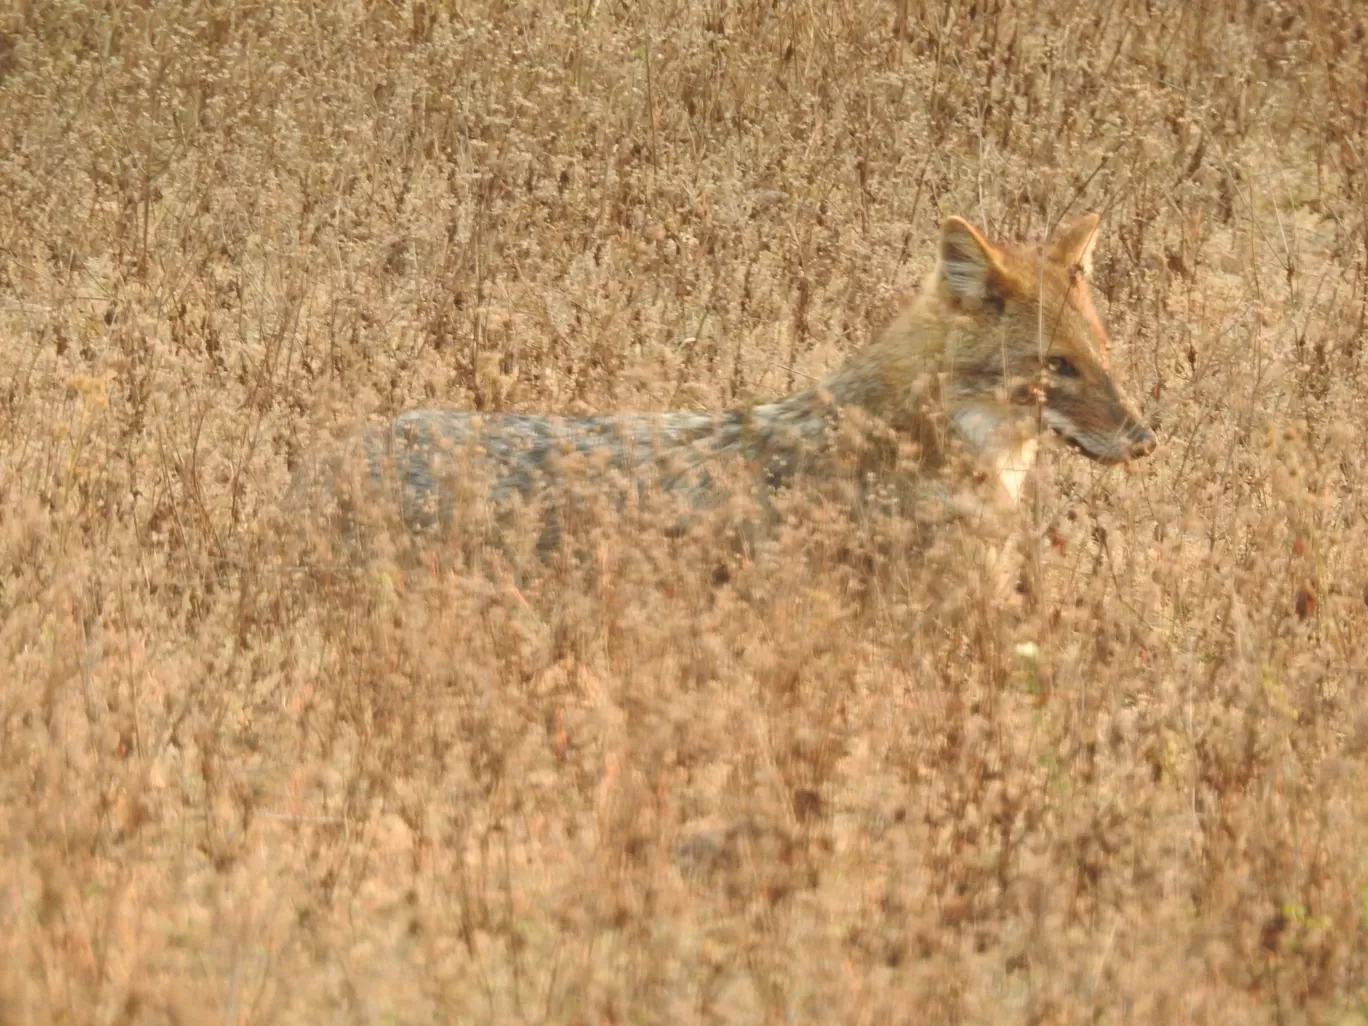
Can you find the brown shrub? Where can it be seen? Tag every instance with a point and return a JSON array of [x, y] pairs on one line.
[[664, 779]]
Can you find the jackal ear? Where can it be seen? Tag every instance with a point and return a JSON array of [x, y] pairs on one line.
[[1072, 243], [969, 267]]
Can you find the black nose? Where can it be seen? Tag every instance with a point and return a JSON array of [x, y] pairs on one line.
[[1142, 442]]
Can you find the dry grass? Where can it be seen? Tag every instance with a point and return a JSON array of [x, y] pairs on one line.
[[238, 791]]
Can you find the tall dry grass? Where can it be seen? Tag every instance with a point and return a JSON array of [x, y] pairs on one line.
[[653, 781]]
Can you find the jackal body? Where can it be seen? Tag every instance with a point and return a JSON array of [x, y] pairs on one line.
[[1001, 341]]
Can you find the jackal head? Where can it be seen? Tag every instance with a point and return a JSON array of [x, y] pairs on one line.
[[1035, 337]]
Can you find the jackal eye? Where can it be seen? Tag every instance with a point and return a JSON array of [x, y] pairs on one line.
[[1061, 367]]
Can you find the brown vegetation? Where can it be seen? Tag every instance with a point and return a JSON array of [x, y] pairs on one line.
[[654, 781]]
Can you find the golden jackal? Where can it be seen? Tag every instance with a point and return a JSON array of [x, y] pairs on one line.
[[1001, 342]]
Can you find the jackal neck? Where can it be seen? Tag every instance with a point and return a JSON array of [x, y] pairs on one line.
[[899, 379], [920, 379]]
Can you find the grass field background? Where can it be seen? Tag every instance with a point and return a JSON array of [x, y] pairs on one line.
[[236, 789]]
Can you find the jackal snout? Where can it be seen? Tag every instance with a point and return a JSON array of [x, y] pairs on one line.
[[1142, 442], [1105, 432]]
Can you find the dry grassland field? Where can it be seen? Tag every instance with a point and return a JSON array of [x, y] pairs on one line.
[[254, 771]]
